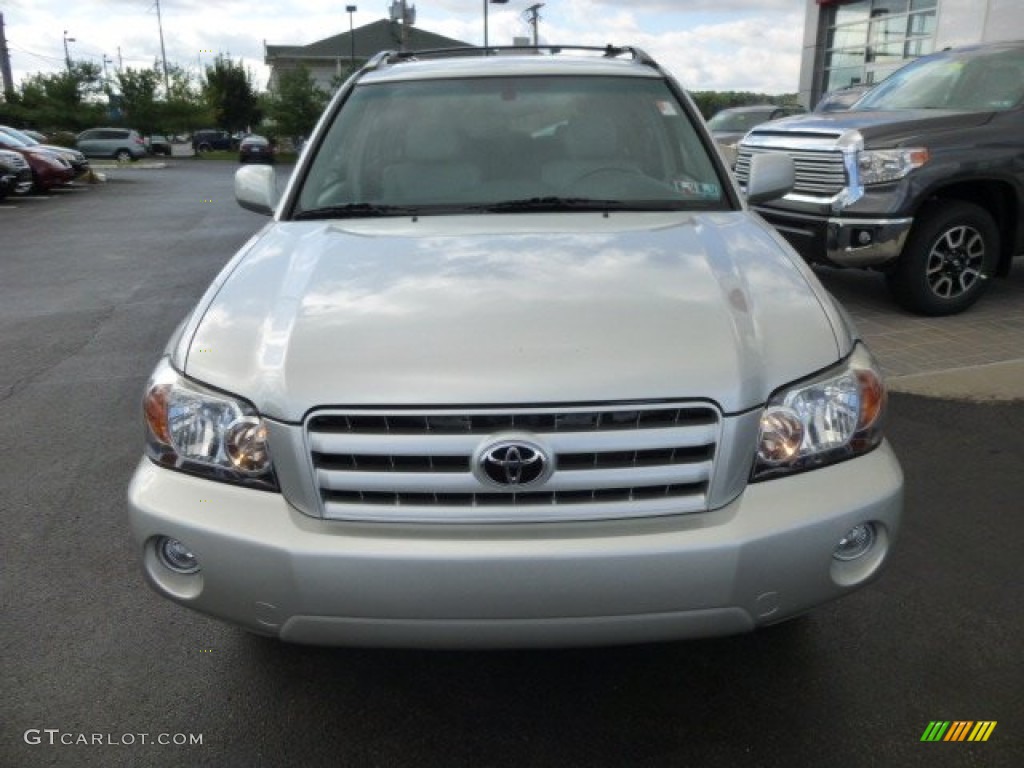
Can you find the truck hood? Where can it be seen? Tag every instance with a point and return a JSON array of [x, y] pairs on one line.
[[511, 309], [879, 129]]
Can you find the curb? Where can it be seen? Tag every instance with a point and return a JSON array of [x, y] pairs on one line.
[[141, 165], [993, 382]]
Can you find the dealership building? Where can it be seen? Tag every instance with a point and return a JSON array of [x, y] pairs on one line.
[[861, 41]]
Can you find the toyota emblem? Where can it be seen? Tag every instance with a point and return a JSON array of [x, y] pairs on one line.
[[513, 464]]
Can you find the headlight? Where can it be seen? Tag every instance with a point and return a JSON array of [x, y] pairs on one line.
[[198, 430], [882, 165], [832, 417]]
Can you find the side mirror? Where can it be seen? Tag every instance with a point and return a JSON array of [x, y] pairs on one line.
[[771, 176], [256, 189]]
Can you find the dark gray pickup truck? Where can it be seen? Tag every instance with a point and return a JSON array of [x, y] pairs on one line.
[[923, 179]]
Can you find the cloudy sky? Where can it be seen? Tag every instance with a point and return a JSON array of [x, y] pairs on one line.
[[742, 45]]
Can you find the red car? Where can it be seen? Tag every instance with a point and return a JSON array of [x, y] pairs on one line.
[[48, 168]]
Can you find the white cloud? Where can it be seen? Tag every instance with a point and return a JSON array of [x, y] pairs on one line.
[[750, 45]]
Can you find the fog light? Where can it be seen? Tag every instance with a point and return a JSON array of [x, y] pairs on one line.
[[863, 237], [176, 556], [857, 542]]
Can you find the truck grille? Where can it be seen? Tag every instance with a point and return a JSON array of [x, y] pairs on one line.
[[819, 173], [610, 462]]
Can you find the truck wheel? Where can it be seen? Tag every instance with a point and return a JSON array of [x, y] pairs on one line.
[[123, 156], [947, 261]]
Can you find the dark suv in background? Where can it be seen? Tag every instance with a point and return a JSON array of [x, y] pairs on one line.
[[207, 140]]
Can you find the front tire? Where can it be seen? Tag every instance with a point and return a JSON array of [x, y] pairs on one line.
[[948, 259]]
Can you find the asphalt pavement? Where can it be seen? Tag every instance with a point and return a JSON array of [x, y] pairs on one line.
[[97, 670]]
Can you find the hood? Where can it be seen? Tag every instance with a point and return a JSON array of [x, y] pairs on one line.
[[448, 311], [888, 128], [67, 152]]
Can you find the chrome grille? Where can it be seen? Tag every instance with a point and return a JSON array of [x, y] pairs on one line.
[[610, 462], [819, 173]]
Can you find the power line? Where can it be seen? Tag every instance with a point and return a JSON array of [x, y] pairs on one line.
[[58, 59]]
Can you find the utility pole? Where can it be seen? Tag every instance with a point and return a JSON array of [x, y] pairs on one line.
[[534, 11], [5, 63], [405, 16], [67, 53], [163, 53], [405, 26]]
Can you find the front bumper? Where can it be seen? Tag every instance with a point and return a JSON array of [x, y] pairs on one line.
[[841, 242], [763, 558], [17, 183]]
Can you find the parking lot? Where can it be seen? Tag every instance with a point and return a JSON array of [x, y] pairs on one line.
[[92, 282], [922, 353]]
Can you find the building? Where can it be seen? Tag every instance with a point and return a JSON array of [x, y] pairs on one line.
[[862, 41], [333, 57]]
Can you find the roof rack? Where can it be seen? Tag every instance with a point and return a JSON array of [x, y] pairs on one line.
[[608, 51]]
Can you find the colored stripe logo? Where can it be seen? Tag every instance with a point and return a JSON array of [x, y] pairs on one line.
[[958, 730]]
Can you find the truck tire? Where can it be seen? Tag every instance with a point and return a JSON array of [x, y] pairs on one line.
[[948, 259]]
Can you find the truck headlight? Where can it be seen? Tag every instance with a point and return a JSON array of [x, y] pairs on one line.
[[831, 417], [883, 165], [204, 432]]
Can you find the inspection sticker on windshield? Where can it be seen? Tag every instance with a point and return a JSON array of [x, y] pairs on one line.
[[666, 108], [696, 189]]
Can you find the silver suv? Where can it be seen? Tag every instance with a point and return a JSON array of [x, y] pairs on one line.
[[513, 364]]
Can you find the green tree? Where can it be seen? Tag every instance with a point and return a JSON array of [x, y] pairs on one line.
[[139, 107], [230, 94], [65, 99], [185, 109], [296, 104]]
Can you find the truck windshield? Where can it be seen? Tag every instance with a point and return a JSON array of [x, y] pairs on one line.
[[969, 81], [509, 145]]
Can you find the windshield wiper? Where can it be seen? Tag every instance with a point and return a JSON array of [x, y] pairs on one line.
[[544, 204], [356, 211], [550, 203]]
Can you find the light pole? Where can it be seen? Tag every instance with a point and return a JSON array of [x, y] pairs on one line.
[[487, 42], [351, 36], [67, 54]]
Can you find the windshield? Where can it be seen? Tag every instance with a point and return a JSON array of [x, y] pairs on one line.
[[509, 145], [970, 81], [24, 138], [9, 140]]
